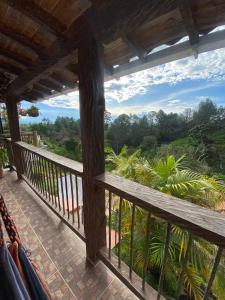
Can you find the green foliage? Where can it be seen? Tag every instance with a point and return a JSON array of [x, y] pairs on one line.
[[3, 157], [171, 176]]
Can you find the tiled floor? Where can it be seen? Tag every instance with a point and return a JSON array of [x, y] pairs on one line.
[[59, 253]]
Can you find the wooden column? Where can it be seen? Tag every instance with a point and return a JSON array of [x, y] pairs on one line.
[[92, 106], [13, 119]]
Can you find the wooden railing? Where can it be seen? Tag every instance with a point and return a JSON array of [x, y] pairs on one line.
[[171, 213], [29, 137], [57, 181]]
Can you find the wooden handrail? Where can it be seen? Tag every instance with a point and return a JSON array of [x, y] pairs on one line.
[[69, 164], [203, 222]]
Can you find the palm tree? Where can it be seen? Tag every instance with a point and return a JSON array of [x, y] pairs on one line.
[[173, 177]]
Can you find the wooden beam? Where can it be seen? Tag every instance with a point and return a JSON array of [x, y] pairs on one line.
[[108, 23], [14, 127], [117, 17], [16, 57], [92, 107], [50, 84], [42, 89], [186, 13], [136, 49], [10, 68], [35, 12], [68, 83], [207, 43]]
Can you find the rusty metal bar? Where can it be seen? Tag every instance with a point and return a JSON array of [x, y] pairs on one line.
[[132, 241]]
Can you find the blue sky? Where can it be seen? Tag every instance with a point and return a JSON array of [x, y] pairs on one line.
[[172, 87]]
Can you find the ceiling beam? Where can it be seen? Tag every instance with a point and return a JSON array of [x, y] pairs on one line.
[[68, 83], [23, 40], [206, 43], [16, 57], [186, 13], [50, 84], [34, 11], [109, 22], [12, 69], [42, 89], [135, 48]]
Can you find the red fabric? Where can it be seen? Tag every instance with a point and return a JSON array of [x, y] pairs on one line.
[[8, 221]]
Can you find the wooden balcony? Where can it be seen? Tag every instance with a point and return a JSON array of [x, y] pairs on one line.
[[59, 253], [56, 218]]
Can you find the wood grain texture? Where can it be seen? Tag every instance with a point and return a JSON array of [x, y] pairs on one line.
[[201, 221], [14, 127], [39, 15], [92, 107]]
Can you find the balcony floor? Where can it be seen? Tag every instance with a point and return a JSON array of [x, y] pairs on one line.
[[59, 253]]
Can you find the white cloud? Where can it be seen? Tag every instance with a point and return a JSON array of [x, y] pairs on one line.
[[209, 66], [70, 100]]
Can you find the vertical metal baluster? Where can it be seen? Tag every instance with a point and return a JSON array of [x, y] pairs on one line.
[[67, 196], [53, 186], [72, 196], [120, 221], [30, 167], [32, 170], [213, 272], [25, 163], [165, 258], [40, 174], [132, 241], [44, 178], [148, 240], [47, 181], [57, 178], [77, 200], [184, 264], [62, 191], [110, 223], [51, 183]]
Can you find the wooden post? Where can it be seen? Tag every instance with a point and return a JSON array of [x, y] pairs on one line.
[[92, 106], [13, 119], [35, 139]]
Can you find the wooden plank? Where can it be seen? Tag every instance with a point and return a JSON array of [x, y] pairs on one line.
[[92, 107], [73, 166], [10, 68], [23, 40], [16, 57], [14, 127], [108, 23], [185, 10], [63, 81], [50, 84], [201, 221], [207, 43], [38, 14]]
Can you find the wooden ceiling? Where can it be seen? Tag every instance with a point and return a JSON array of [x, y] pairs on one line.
[[39, 38]]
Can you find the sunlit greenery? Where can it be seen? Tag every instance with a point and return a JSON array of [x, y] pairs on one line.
[[174, 177]]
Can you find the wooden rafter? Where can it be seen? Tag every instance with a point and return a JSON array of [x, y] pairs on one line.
[[63, 81], [185, 10], [10, 68], [16, 57], [136, 49], [42, 89], [38, 14], [50, 84], [117, 16], [23, 40]]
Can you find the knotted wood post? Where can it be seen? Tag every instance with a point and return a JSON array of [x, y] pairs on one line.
[[92, 106], [13, 119]]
